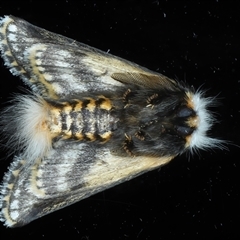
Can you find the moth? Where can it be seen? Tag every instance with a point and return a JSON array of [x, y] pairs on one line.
[[91, 121]]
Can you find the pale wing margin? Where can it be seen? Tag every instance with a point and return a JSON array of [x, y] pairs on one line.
[[56, 66], [70, 172]]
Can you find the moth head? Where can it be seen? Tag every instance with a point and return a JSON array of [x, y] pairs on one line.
[[172, 123], [200, 139]]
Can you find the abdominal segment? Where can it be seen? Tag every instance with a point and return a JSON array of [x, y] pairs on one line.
[[88, 119]]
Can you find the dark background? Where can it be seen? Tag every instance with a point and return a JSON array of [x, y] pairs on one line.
[[195, 41]]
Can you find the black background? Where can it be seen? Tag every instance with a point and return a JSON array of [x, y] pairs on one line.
[[195, 41]]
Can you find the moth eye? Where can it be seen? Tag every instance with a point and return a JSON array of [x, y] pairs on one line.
[[185, 118], [184, 130], [185, 112]]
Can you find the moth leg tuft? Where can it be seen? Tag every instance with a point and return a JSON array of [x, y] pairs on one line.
[[151, 101], [140, 135], [126, 97], [128, 145]]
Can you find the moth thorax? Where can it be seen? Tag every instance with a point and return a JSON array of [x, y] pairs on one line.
[[88, 119]]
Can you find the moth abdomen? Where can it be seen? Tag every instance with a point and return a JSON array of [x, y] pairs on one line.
[[33, 123]]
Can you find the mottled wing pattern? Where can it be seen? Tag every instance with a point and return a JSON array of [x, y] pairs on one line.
[[69, 173], [58, 67]]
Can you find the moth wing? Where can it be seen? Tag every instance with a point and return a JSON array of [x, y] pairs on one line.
[[70, 172], [55, 66]]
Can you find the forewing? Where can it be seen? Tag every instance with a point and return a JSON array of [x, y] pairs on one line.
[[58, 67], [69, 173]]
